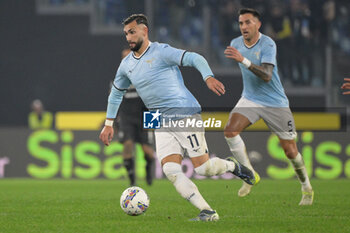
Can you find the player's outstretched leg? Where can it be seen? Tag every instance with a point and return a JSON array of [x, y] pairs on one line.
[[246, 174], [306, 188], [189, 191], [238, 149], [216, 166]]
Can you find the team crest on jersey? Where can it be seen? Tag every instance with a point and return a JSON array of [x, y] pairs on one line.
[[257, 54], [150, 62]]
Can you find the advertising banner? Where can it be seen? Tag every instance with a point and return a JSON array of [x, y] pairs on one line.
[[46, 154]]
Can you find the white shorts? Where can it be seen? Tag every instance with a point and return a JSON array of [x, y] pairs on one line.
[[279, 119], [178, 141]]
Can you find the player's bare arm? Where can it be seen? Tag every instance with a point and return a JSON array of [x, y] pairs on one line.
[[346, 85], [264, 71], [215, 85]]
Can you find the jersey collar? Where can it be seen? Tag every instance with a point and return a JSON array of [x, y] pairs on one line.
[[251, 46], [149, 44]]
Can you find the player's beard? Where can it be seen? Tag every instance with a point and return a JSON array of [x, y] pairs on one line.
[[137, 46]]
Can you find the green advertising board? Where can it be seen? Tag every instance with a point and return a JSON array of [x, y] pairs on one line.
[[49, 154]]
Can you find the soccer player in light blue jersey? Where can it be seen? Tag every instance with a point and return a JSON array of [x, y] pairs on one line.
[[262, 97], [153, 69]]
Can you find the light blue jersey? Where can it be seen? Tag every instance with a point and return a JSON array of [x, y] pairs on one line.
[[270, 93], [158, 80]]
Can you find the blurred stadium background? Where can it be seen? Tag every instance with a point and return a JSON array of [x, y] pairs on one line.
[[66, 52]]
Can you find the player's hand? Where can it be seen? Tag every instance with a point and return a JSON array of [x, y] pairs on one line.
[[346, 85], [233, 53], [215, 86], [106, 135]]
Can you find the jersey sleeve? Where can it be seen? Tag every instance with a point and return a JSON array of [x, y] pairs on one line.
[[120, 84], [197, 61], [171, 55], [114, 100], [121, 81], [268, 53]]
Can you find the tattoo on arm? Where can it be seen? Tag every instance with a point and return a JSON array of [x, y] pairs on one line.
[[264, 71]]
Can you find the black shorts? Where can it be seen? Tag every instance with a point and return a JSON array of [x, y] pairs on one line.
[[129, 128]]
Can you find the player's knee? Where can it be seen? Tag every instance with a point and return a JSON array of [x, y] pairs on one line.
[[230, 132], [206, 169], [171, 170], [291, 152]]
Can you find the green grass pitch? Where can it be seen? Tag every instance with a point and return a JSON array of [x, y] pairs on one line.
[[28, 205]]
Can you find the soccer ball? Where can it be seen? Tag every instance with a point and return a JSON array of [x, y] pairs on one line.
[[134, 201]]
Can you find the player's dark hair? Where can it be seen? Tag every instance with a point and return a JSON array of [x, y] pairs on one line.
[[252, 11], [140, 19]]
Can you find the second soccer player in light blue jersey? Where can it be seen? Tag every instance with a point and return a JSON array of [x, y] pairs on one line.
[[262, 97], [153, 69]]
